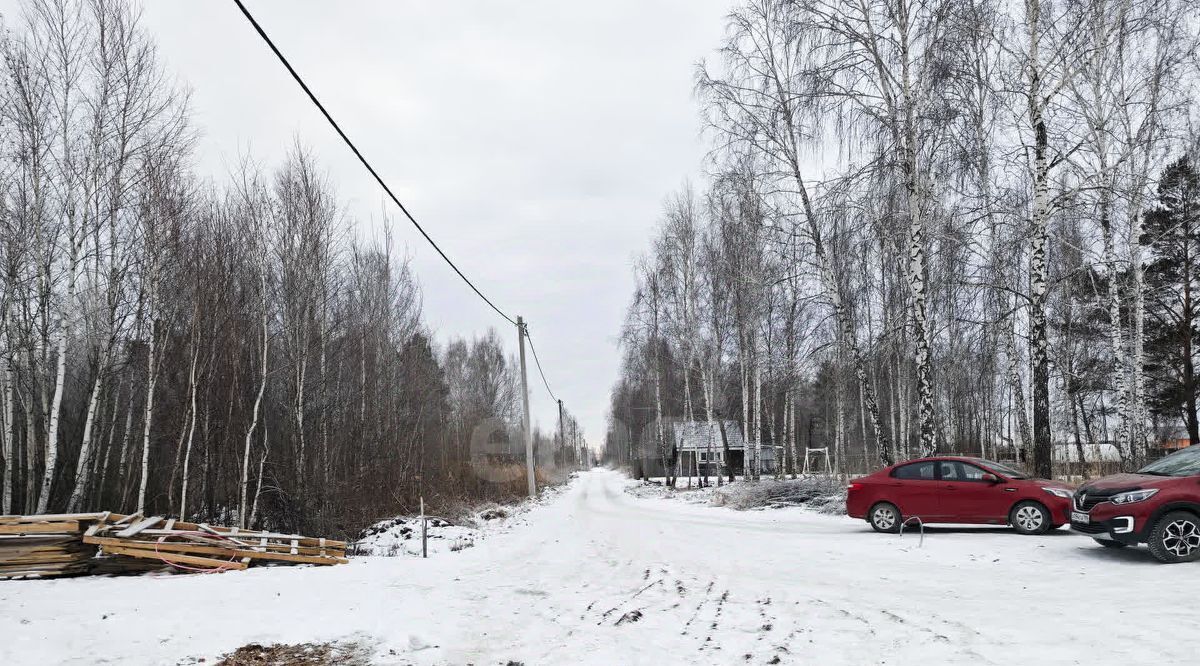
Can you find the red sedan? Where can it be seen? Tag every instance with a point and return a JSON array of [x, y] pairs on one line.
[[949, 489]]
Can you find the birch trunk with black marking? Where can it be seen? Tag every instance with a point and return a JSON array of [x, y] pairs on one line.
[[258, 399]]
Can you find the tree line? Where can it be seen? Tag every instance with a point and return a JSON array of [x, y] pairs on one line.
[[238, 351], [956, 226]]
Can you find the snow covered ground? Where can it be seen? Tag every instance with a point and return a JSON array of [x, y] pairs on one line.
[[401, 536], [598, 576]]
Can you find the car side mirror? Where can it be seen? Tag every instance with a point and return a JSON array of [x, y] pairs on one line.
[[990, 478]]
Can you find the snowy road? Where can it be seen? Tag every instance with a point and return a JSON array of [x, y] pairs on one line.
[[601, 577]]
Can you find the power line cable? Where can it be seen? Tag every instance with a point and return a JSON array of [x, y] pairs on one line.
[[539, 364], [262, 33], [311, 96]]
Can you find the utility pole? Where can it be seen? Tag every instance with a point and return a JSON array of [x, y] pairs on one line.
[[525, 420], [575, 444], [562, 439]]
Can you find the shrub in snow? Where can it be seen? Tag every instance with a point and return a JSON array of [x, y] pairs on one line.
[[822, 494], [493, 514], [402, 536]]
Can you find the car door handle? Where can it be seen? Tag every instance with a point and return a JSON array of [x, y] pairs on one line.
[[1010, 490]]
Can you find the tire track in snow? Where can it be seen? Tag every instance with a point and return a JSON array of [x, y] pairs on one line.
[[699, 607]]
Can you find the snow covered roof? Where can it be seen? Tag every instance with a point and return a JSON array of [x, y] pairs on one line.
[[697, 435]]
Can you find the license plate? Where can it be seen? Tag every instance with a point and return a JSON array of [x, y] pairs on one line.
[[1077, 517]]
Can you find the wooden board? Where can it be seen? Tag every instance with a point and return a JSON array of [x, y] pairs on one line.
[[174, 557], [109, 544], [247, 537], [53, 518], [139, 526], [40, 528]]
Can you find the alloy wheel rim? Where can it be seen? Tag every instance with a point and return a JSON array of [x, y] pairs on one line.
[[1029, 518], [884, 517], [1181, 538]]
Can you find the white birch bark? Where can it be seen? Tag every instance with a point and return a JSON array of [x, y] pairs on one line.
[[84, 465], [191, 434], [1139, 441], [10, 465], [60, 374], [658, 417], [262, 460], [757, 412], [148, 415], [123, 470], [262, 387]]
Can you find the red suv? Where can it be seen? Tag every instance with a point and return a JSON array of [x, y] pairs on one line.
[[958, 490], [1158, 506]]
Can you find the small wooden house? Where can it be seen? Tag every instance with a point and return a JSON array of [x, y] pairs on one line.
[[701, 449]]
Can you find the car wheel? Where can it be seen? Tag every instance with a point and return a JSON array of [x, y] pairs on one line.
[[1030, 518], [885, 517], [1109, 543], [1175, 538]]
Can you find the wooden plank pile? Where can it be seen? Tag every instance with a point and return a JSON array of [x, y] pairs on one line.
[[116, 543], [46, 545], [198, 546]]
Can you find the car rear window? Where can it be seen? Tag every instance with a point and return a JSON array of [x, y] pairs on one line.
[[921, 470]]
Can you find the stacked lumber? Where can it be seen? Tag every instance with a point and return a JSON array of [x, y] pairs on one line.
[[111, 543], [203, 547], [46, 545]]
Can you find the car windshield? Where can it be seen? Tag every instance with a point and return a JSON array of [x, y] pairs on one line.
[[1003, 469], [1180, 463]]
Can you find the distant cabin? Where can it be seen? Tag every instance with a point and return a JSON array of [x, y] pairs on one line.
[[699, 451]]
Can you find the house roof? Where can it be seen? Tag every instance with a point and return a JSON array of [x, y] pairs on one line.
[[697, 435]]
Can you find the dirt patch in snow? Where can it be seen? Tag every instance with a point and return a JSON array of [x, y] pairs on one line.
[[303, 654]]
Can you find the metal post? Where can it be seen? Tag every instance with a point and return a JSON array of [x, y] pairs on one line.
[[525, 419], [424, 538]]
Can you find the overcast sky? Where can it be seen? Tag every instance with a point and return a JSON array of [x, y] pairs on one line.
[[534, 139]]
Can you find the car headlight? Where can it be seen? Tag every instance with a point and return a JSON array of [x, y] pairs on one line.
[[1133, 496], [1059, 492]]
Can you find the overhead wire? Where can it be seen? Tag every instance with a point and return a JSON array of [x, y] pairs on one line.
[[538, 363], [357, 153], [311, 96]]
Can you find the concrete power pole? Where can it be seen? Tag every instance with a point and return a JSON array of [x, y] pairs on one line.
[[525, 418], [562, 439], [576, 444]]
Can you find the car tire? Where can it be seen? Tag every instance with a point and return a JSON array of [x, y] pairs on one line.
[[1030, 517], [885, 517], [1109, 543], [1175, 538]]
